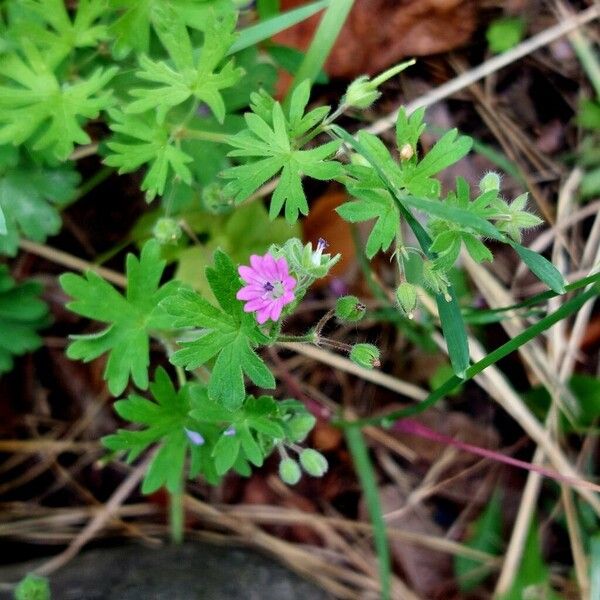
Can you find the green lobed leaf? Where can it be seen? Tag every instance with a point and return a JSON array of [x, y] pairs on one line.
[[271, 137], [131, 318], [22, 314], [35, 105], [165, 421], [227, 334], [30, 196], [193, 76], [142, 140]]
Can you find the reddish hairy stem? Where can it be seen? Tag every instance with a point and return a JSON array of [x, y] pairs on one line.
[[413, 427]]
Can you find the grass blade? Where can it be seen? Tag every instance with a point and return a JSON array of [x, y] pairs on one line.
[[266, 29], [366, 475], [322, 42], [563, 312]]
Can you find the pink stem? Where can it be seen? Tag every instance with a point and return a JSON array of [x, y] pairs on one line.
[[413, 427]]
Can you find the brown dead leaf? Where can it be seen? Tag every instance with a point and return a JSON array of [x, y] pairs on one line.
[[379, 33]]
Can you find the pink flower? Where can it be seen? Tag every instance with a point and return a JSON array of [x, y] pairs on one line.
[[269, 287]]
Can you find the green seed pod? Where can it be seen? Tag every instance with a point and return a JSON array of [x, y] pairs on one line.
[[313, 462], [299, 426], [406, 294], [289, 471], [167, 230], [365, 355], [490, 181], [349, 308]]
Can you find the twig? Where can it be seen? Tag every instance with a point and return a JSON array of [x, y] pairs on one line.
[[105, 514], [490, 66]]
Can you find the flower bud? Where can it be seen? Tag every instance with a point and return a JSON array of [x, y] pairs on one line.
[[313, 462], [406, 152], [167, 230], [215, 200], [406, 294], [289, 471], [349, 308], [365, 355], [299, 426], [361, 93], [435, 280], [490, 181]]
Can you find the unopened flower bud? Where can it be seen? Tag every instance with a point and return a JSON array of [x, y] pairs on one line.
[[361, 93], [436, 280], [167, 230], [215, 200], [349, 308], [365, 355], [299, 426], [313, 462], [289, 471], [406, 152], [490, 181], [406, 294]]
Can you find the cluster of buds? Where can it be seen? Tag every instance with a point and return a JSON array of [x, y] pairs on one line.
[[310, 461]]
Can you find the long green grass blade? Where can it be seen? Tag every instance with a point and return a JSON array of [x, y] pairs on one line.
[[368, 482], [329, 28], [563, 312], [595, 567], [266, 29], [491, 315]]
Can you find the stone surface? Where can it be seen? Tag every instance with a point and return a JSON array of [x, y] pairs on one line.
[[192, 571]]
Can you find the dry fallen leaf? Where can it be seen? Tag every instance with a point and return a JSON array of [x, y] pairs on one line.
[[379, 33]]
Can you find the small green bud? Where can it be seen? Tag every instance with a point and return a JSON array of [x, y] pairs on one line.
[[215, 200], [299, 426], [33, 587], [349, 308], [436, 280], [490, 181], [167, 230], [406, 294], [289, 471], [361, 93], [365, 355], [313, 462]]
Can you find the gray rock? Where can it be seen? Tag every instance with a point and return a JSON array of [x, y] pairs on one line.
[[192, 571]]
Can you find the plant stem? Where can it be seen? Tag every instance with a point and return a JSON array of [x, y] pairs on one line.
[[368, 482], [205, 136], [309, 338], [176, 515]]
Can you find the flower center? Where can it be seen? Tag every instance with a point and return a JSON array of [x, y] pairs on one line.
[[275, 289]]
